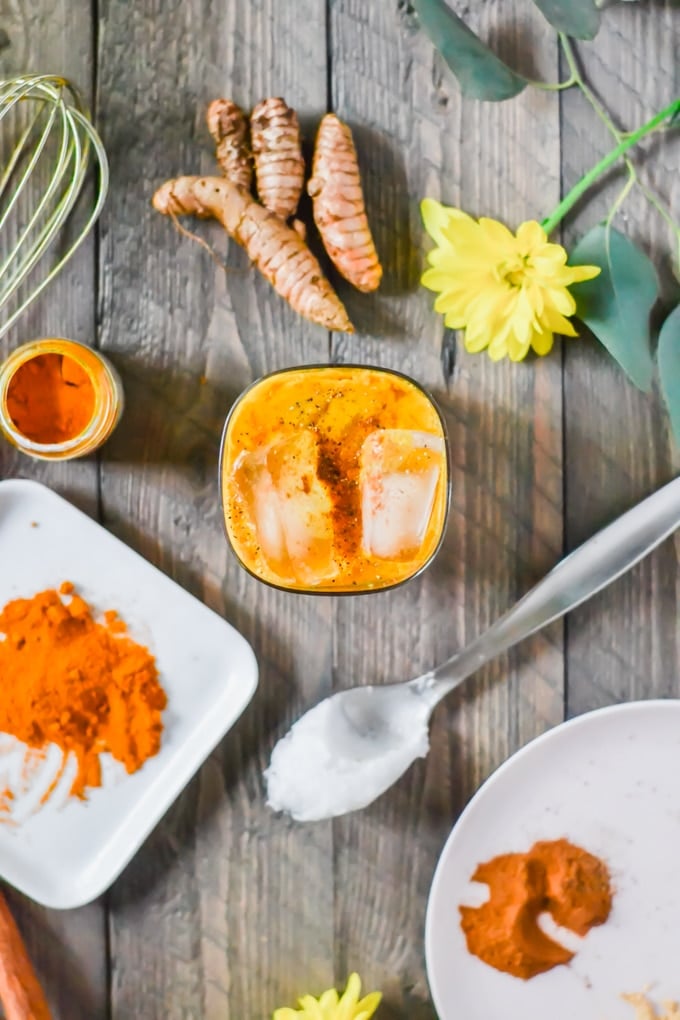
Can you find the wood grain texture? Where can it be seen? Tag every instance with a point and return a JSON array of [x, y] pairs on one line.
[[416, 137], [624, 644], [66, 308], [227, 912], [68, 948]]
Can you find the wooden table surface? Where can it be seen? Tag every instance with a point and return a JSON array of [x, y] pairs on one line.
[[228, 911]]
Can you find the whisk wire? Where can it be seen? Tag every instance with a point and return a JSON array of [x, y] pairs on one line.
[[78, 149], [18, 152], [33, 162], [26, 176], [67, 154]]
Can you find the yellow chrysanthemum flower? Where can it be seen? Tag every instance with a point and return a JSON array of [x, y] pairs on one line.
[[509, 292], [331, 1006]]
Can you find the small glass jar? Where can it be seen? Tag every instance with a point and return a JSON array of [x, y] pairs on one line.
[[108, 399], [349, 463]]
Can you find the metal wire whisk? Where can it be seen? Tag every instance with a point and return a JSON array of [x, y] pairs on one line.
[[40, 182]]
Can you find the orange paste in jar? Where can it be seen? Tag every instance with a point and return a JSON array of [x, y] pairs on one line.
[[51, 399], [334, 479]]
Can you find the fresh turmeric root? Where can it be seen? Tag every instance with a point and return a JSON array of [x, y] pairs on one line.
[[277, 151], [275, 248], [228, 125], [338, 203]]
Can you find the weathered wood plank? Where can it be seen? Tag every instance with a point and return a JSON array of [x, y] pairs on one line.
[[624, 644], [416, 137], [228, 910], [68, 948], [66, 308]]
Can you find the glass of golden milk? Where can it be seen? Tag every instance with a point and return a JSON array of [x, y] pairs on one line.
[[335, 479], [58, 399]]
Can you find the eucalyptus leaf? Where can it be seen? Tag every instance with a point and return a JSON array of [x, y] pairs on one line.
[[668, 357], [480, 73], [579, 18], [616, 304]]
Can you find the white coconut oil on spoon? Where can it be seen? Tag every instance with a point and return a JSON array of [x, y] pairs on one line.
[[347, 750]]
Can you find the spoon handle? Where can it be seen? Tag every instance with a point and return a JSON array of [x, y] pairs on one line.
[[591, 567]]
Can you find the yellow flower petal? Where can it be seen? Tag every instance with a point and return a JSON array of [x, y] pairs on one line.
[[436, 279], [438, 218], [498, 349], [557, 323], [455, 321], [445, 260], [518, 348], [368, 1005], [530, 235], [542, 343], [331, 1006], [497, 234], [476, 340], [579, 273], [329, 999], [559, 299], [434, 218], [447, 302], [524, 319], [535, 296], [432, 279], [552, 254], [508, 292], [311, 1008], [353, 989]]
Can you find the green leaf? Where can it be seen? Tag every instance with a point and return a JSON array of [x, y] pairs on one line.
[[579, 18], [480, 73], [668, 357], [616, 304]]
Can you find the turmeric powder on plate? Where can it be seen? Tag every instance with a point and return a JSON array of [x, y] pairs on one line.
[[554, 877], [83, 685]]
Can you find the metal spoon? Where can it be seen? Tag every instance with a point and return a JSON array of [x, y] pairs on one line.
[[345, 752]]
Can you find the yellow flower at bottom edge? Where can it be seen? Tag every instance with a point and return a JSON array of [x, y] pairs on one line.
[[331, 1006], [509, 292]]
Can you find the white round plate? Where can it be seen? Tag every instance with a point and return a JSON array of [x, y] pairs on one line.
[[610, 782]]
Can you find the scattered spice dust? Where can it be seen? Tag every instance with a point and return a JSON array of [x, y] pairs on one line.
[[84, 685], [644, 1008], [554, 877]]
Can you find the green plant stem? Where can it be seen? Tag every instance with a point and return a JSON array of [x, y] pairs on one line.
[[572, 197], [619, 136], [557, 86], [588, 93], [621, 197], [668, 219]]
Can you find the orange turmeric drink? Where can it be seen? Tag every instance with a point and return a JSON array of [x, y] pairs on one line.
[[334, 479]]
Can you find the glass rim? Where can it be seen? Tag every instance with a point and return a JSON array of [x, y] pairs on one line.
[[329, 591]]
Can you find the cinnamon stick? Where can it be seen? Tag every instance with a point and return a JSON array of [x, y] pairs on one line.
[[20, 992]]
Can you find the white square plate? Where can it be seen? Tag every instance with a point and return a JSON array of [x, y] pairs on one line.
[[207, 668]]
